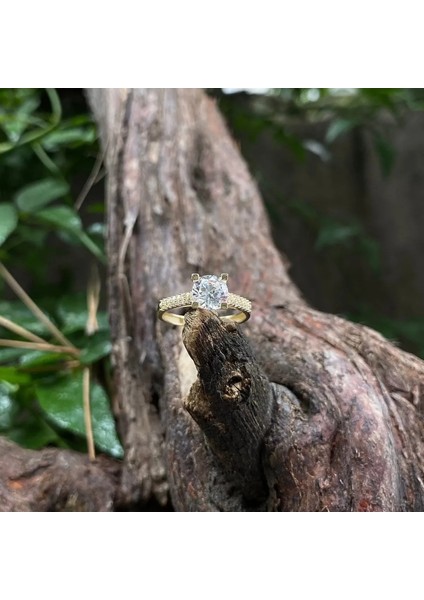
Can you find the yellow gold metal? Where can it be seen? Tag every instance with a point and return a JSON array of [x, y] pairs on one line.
[[195, 276], [224, 277], [241, 306], [194, 305]]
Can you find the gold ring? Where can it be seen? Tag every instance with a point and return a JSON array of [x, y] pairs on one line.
[[210, 292]]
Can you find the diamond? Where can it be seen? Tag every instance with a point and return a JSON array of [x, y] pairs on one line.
[[209, 291]]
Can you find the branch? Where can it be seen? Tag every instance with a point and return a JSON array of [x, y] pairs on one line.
[[55, 480], [231, 399]]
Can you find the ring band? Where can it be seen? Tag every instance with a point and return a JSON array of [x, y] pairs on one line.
[[215, 297]]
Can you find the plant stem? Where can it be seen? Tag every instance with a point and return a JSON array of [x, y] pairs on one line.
[[91, 180], [44, 347], [87, 413], [36, 311], [7, 324]]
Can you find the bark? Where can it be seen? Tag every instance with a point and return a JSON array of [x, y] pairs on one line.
[[58, 480], [295, 410], [231, 401]]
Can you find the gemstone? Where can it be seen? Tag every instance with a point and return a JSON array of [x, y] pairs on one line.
[[209, 291]]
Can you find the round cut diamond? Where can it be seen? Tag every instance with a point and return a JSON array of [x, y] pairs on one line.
[[209, 291]]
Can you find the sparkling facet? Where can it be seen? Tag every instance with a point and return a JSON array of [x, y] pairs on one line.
[[209, 291]]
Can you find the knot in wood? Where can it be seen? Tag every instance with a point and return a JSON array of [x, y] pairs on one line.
[[231, 399]]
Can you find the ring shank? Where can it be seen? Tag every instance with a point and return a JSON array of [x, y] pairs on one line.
[[241, 307]]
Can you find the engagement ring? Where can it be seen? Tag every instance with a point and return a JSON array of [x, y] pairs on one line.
[[211, 292]]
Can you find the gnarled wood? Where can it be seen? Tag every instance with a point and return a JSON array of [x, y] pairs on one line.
[[231, 401], [180, 200], [346, 428], [55, 480], [347, 435]]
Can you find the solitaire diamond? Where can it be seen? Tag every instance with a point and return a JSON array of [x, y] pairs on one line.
[[209, 291]]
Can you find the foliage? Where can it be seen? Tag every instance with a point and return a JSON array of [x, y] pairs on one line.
[[341, 110], [282, 114], [45, 238], [331, 233]]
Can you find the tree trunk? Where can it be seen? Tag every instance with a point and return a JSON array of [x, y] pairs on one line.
[[294, 410], [303, 411]]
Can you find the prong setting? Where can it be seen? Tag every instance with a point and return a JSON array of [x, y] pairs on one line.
[[209, 291], [224, 277], [194, 305], [195, 276], [224, 305]]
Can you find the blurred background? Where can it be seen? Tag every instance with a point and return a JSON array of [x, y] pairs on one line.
[[341, 172]]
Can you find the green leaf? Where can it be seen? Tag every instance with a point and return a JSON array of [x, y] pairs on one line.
[[381, 96], [8, 355], [61, 217], [7, 407], [62, 401], [36, 358], [35, 135], [18, 313], [71, 136], [66, 219], [92, 246], [13, 375], [98, 230], [33, 197], [17, 106], [32, 432], [98, 346], [332, 234], [73, 313], [338, 127], [31, 235], [318, 149], [8, 221]]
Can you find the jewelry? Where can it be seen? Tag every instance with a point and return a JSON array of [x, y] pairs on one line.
[[211, 292]]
